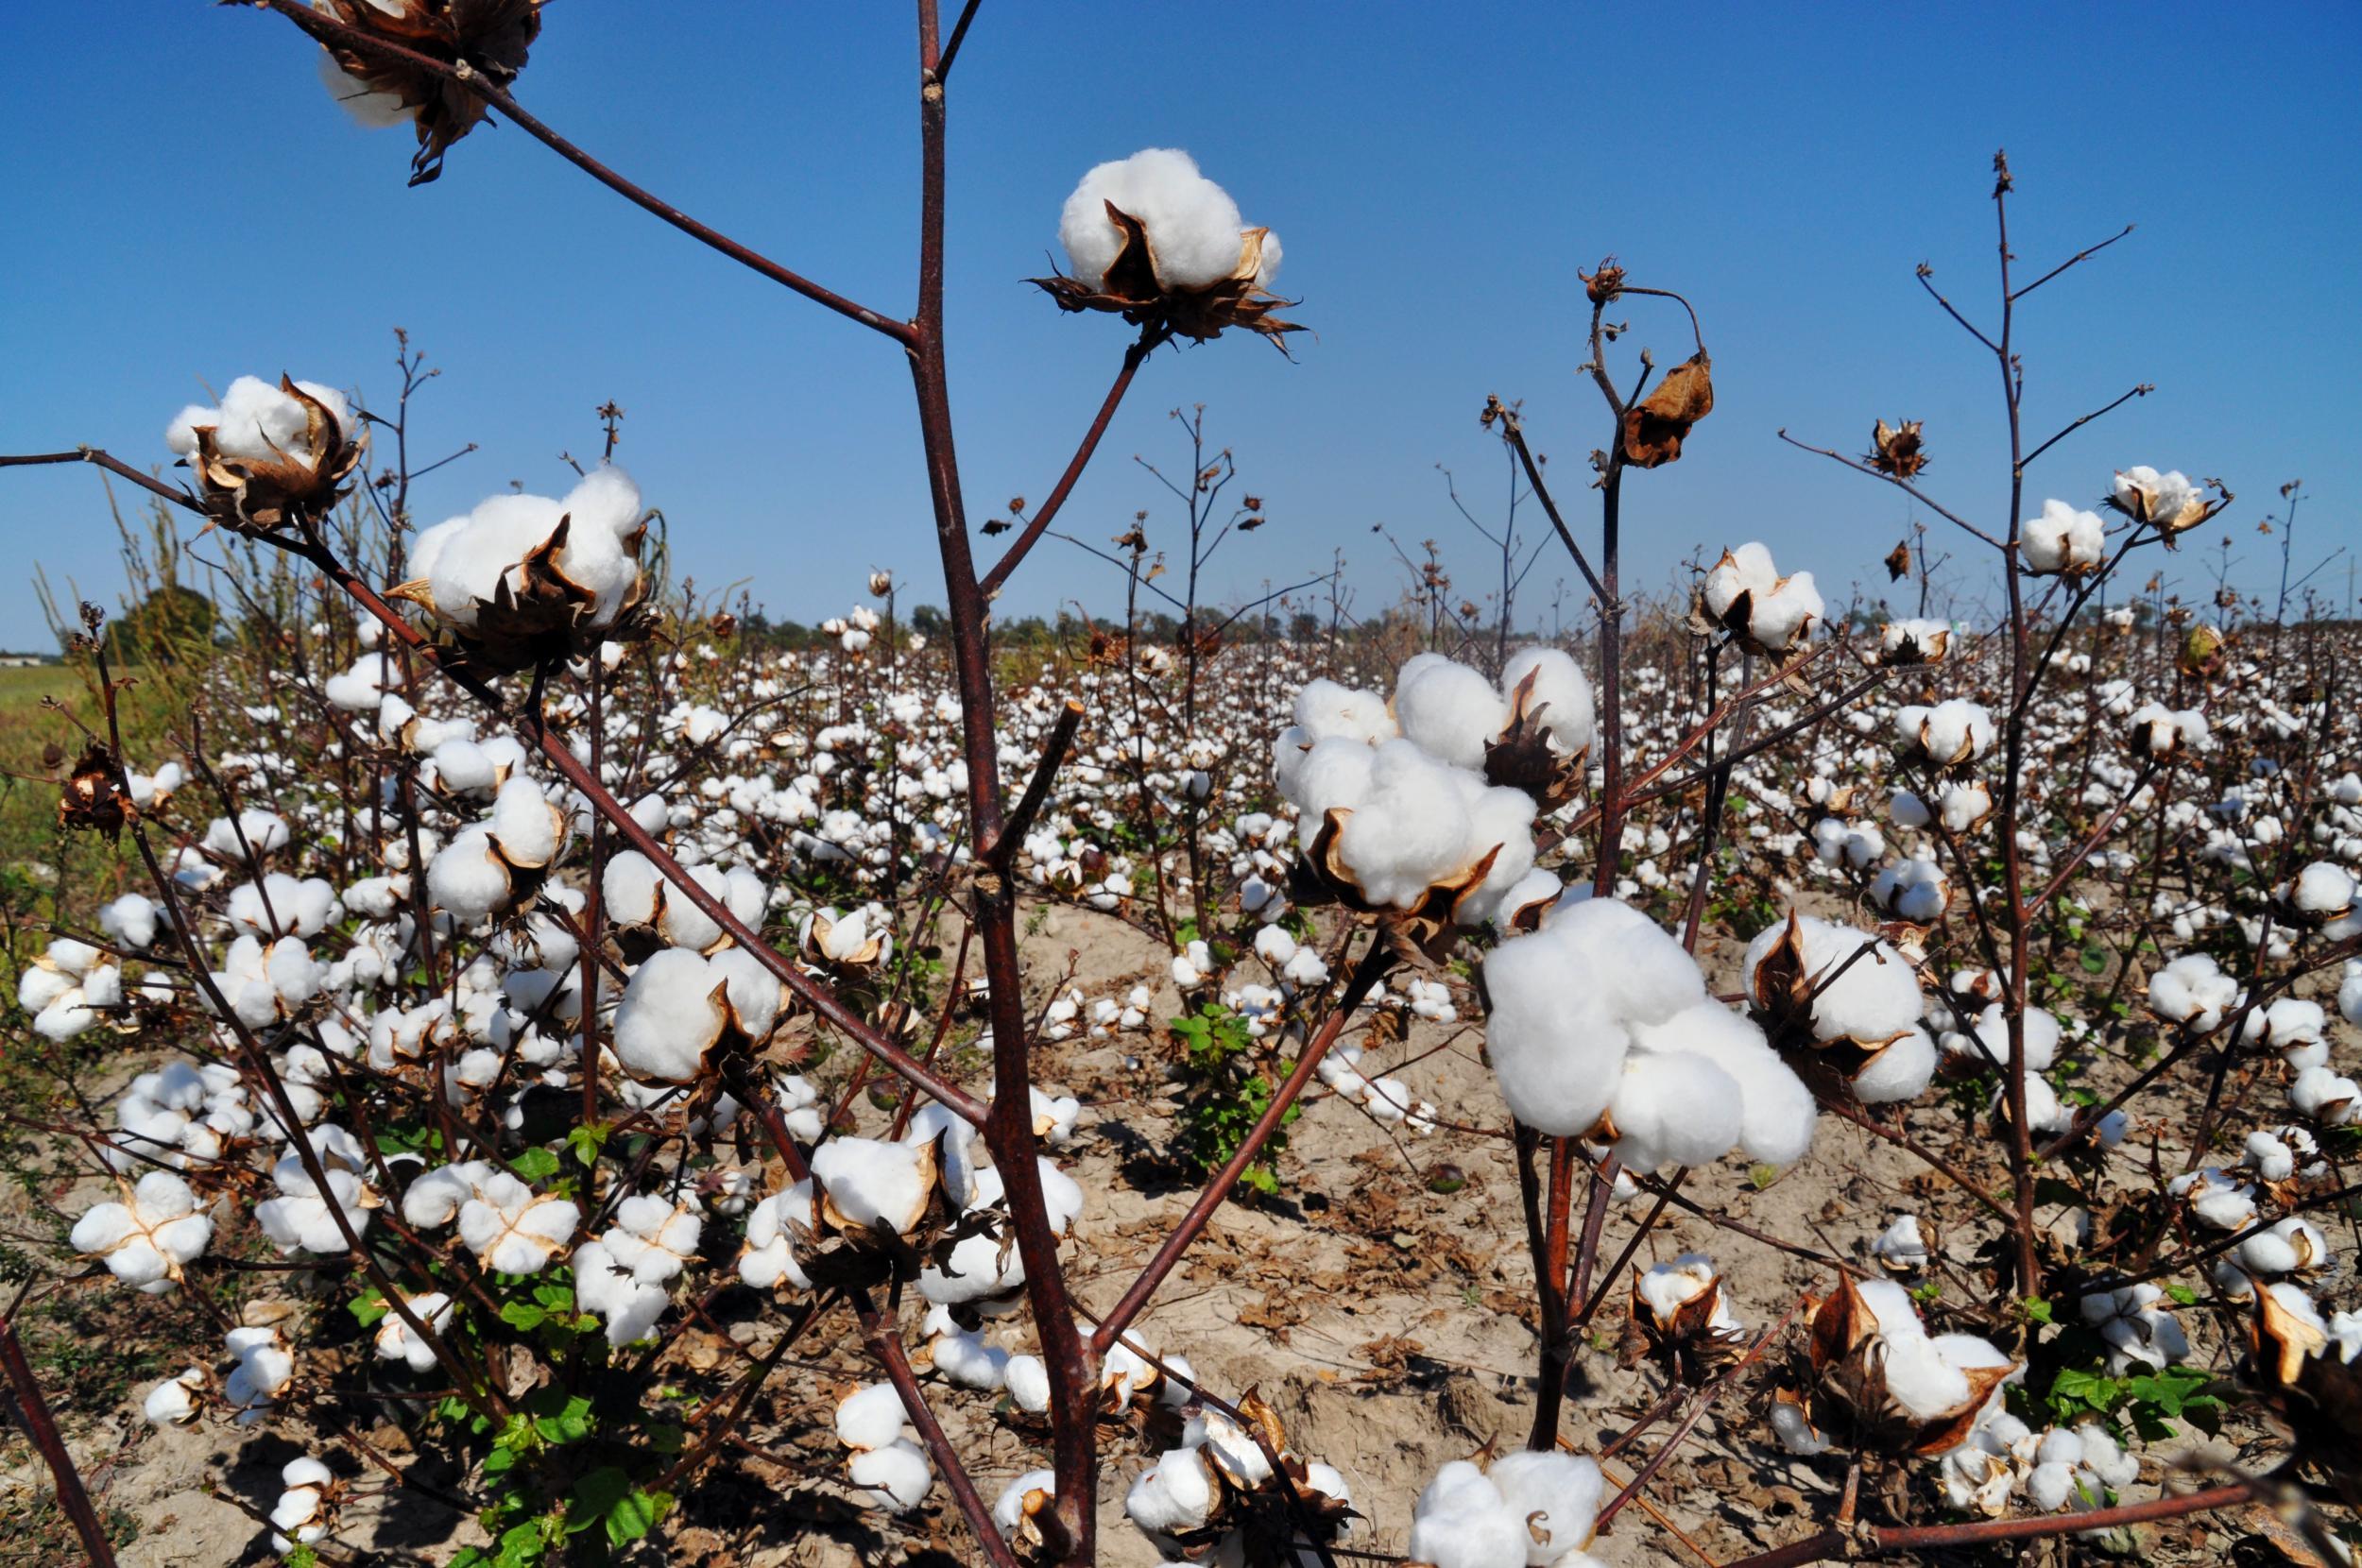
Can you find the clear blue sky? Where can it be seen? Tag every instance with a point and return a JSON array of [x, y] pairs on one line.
[[184, 204]]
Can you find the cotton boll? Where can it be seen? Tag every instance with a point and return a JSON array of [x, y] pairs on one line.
[[1174, 1494], [1746, 570], [1028, 1382], [2041, 1030], [1410, 833], [1674, 1108], [1557, 1495], [1008, 1510], [870, 1182], [130, 920], [1557, 1051], [966, 1361], [2061, 539], [397, 1342], [2325, 1096], [1467, 1526], [1641, 972], [1449, 711], [463, 767], [1336, 773], [895, 1477], [1560, 696], [1921, 1380], [174, 1402], [527, 829], [1325, 711], [1192, 224], [1901, 1071], [1777, 1112]]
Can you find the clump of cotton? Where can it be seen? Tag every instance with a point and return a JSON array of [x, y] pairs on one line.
[[464, 561], [2194, 992], [256, 422], [1565, 1001], [1193, 228], [1529, 1511], [1950, 734], [2155, 730], [678, 1006], [1745, 593], [147, 1238], [1449, 711], [2061, 539], [1860, 989]]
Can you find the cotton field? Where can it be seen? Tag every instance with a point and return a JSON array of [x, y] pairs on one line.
[[547, 1068]]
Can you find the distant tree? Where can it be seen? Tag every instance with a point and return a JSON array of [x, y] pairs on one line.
[[162, 627], [928, 622]]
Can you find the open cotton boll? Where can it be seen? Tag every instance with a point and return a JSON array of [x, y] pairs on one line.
[[1463, 1521], [467, 878], [2041, 1036], [1557, 1051], [870, 1182], [1873, 998], [1174, 1494], [1777, 1113], [528, 829], [1336, 773], [1746, 570], [895, 1477], [2193, 991], [1324, 710], [174, 1402], [2291, 1245], [1777, 618], [670, 1015], [628, 1305], [1951, 732], [653, 1237], [1449, 711], [397, 1342], [1901, 1071], [1028, 1382], [514, 1230], [966, 1361], [1560, 696], [2061, 539], [1557, 1494], [1192, 225], [1674, 1108], [468, 565], [769, 1257], [1411, 832], [2325, 1096]]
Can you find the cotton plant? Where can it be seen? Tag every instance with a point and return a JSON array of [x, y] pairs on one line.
[[1522, 1510], [1744, 594]]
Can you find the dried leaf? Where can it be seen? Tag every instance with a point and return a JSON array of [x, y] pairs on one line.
[[1656, 427]]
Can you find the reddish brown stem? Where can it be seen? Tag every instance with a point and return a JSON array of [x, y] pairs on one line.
[[39, 1425]]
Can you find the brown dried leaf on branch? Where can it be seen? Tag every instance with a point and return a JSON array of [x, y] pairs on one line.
[[94, 797], [1898, 562], [1130, 289], [487, 37], [1656, 427]]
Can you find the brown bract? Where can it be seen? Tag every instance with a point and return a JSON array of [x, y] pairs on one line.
[[2312, 1388], [536, 615], [246, 495], [1898, 561], [489, 37], [2148, 505], [1602, 286], [92, 797], [1895, 451], [1130, 289], [815, 947], [1270, 1530], [1655, 426], [1684, 1343], [1846, 1391], [1523, 758], [1911, 648]]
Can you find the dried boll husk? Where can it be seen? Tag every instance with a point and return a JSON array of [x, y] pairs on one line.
[[488, 37], [1895, 450], [1687, 1343], [1522, 756], [1655, 426], [1130, 288], [1782, 993], [2312, 1379], [93, 796], [249, 495]]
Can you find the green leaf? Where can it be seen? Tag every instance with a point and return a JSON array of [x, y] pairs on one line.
[[2182, 1294], [568, 1422], [2038, 1311], [535, 1165], [595, 1495], [554, 1297], [368, 1306], [2095, 961], [523, 1316], [635, 1516], [586, 1142]]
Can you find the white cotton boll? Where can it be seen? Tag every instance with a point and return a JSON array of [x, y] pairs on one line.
[[1901, 1246], [653, 1237], [770, 1257], [628, 1305], [1906, 809], [895, 1477], [1469, 1529], [130, 920], [513, 1230], [683, 924], [630, 888], [1411, 831], [1921, 1380], [1557, 1495], [1275, 946], [872, 1183], [174, 1402], [1174, 1494], [1874, 997], [1028, 1382], [1901, 1071], [2061, 539], [397, 1342], [2324, 887], [1449, 711], [2288, 1245], [1777, 1112], [1008, 1510], [1915, 891], [966, 1361], [527, 830], [2194, 990], [1335, 773], [870, 1418], [2325, 1096], [1556, 1050], [1674, 1108], [2105, 1458], [1639, 969], [1561, 698], [463, 767], [2041, 1036], [1746, 570], [1192, 224], [1953, 732], [1778, 617], [1325, 710], [671, 1013]]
